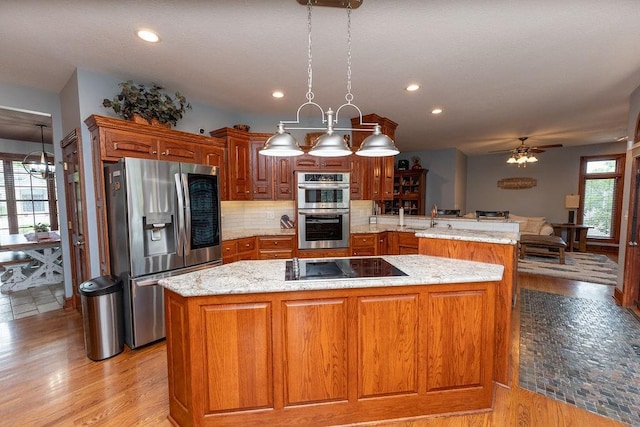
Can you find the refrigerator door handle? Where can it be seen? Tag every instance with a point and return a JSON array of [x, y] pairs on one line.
[[187, 214], [180, 196]]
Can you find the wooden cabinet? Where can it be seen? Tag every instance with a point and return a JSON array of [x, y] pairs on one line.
[[113, 139], [261, 168], [409, 191], [369, 354], [402, 243], [374, 177], [238, 249], [383, 243], [307, 162], [275, 247], [364, 244], [215, 155], [271, 176], [238, 162]]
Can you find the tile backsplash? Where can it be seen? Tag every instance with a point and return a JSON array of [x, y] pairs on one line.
[[265, 215]]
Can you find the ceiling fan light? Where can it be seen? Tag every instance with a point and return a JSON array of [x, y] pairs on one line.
[[522, 159], [532, 159], [330, 144], [512, 160]]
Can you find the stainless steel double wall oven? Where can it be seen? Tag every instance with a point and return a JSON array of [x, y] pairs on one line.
[[323, 210]]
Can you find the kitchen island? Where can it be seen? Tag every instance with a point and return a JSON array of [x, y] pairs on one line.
[[246, 347]]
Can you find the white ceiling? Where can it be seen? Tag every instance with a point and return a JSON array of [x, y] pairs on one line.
[[558, 71]]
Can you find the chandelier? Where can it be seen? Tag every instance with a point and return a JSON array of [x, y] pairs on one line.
[[522, 155], [39, 164], [329, 144]]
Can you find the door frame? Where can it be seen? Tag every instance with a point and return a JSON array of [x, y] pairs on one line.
[[73, 141]]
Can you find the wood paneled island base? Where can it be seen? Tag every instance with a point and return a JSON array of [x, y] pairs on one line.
[[335, 356]]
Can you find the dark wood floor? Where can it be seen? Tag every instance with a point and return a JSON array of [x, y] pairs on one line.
[[46, 378]]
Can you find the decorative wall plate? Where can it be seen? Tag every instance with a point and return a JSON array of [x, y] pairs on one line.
[[517, 183]]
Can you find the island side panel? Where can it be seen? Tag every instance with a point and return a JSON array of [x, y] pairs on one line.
[[493, 253]]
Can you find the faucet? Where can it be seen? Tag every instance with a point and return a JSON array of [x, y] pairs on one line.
[[434, 214]]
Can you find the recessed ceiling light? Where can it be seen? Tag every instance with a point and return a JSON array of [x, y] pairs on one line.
[[436, 111], [412, 87], [148, 36], [277, 94]]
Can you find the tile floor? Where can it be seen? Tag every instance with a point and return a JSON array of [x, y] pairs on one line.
[[31, 301], [581, 351]]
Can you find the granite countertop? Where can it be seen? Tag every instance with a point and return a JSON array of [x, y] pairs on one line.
[[247, 277], [498, 237]]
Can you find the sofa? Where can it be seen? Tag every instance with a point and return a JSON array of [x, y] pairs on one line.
[[528, 224], [532, 225]]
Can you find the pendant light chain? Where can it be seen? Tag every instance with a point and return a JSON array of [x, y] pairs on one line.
[[309, 57], [348, 96]]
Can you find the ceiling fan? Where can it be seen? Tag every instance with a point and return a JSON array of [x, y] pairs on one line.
[[524, 154]]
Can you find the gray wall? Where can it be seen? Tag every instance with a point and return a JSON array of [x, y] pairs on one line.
[[557, 174], [444, 186]]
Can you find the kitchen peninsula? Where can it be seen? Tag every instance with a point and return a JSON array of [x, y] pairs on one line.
[[245, 346]]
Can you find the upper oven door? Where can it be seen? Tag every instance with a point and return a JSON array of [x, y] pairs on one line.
[[323, 190]]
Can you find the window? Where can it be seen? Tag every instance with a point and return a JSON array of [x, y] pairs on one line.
[[24, 200], [601, 179]]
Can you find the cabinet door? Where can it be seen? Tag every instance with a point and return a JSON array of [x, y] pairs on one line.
[[358, 166], [283, 178], [387, 175], [118, 144], [179, 151], [238, 170], [261, 171], [383, 243], [215, 156], [375, 177]]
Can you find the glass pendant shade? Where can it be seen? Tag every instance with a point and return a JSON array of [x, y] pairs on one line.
[[377, 145], [512, 160], [532, 159], [281, 144], [330, 145]]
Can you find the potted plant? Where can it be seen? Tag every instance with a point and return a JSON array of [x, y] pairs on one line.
[[152, 104], [42, 230]]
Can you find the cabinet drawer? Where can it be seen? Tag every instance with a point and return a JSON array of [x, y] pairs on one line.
[[179, 151], [275, 254], [275, 243], [358, 240], [246, 244]]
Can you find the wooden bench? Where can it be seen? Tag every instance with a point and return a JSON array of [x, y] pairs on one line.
[[542, 245]]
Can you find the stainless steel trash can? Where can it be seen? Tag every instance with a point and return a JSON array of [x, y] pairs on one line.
[[102, 313]]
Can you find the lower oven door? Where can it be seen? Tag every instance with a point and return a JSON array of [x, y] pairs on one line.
[[323, 228]]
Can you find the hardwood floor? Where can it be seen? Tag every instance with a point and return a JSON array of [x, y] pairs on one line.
[[46, 378]]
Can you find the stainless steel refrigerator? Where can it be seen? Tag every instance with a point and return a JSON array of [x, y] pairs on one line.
[[164, 219]]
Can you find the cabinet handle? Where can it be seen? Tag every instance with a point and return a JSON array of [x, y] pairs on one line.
[[275, 243], [164, 153], [154, 152]]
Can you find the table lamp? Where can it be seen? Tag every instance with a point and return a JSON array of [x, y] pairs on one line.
[[572, 202]]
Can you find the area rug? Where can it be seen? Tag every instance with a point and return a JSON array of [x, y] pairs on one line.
[[585, 267], [581, 351]]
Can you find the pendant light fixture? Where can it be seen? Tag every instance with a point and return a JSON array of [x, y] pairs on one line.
[[329, 144], [39, 164]]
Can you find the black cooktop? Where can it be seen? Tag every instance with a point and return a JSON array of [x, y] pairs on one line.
[[343, 268]]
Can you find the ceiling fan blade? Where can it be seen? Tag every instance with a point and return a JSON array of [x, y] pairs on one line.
[[500, 151], [548, 146]]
